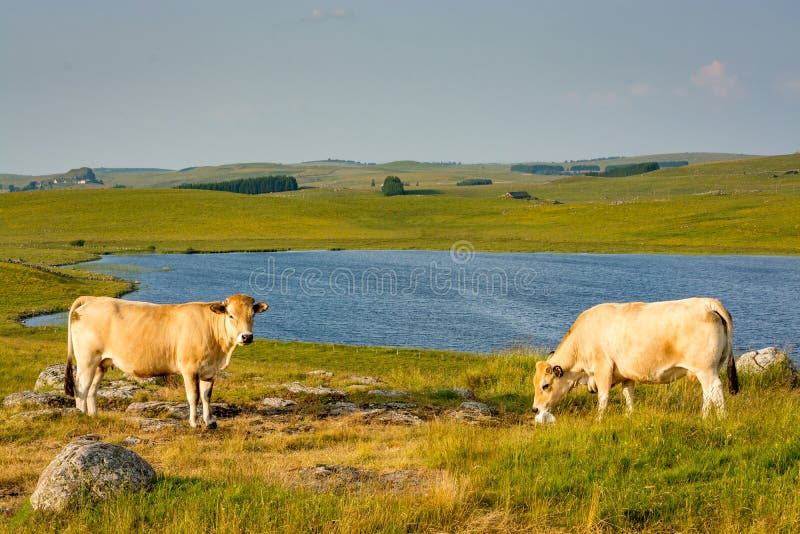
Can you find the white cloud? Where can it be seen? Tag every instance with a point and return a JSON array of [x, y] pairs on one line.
[[790, 87], [641, 89], [715, 78], [320, 15]]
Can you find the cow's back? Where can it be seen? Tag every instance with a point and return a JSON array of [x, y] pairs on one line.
[[141, 338], [645, 340]]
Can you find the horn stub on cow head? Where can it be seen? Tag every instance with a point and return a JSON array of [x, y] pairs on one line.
[[558, 371], [218, 307]]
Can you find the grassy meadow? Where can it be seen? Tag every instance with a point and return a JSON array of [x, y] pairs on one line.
[[661, 470]]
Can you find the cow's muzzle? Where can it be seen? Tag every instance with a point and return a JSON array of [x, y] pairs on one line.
[[246, 339]]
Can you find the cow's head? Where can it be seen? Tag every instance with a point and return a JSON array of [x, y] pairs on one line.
[[549, 387], [239, 311]]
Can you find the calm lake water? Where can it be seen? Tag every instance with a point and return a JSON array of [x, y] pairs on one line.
[[460, 300]]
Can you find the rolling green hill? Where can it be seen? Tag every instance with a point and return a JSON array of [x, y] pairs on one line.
[[338, 174]]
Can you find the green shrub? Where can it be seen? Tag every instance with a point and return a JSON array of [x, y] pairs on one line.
[[77, 242], [392, 186]]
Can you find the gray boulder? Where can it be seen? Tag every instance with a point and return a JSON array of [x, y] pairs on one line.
[[760, 361], [52, 377], [42, 399], [87, 469]]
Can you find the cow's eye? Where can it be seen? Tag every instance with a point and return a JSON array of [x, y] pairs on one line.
[[545, 386]]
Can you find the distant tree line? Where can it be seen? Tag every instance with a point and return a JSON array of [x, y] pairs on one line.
[[475, 181], [392, 186], [663, 164], [538, 169], [249, 186], [585, 168], [617, 171]]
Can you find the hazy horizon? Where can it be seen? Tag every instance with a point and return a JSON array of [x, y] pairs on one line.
[[179, 84]]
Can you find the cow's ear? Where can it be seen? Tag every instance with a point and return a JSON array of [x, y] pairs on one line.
[[259, 307], [218, 307], [558, 371], [541, 367]]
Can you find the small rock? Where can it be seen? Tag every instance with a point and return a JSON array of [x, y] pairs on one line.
[[175, 410], [149, 424], [343, 408], [297, 387], [90, 470], [392, 406], [132, 440], [46, 414], [276, 403], [299, 429], [342, 473], [388, 392], [365, 380], [152, 381], [52, 377], [759, 361], [118, 390], [479, 407], [321, 372], [392, 418], [37, 398]]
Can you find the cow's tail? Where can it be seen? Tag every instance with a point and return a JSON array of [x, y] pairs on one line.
[[69, 379], [727, 324]]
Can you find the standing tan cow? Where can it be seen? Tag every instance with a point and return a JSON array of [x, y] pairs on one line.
[[649, 343], [195, 340]]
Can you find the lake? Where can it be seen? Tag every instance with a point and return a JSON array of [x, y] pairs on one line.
[[461, 300]]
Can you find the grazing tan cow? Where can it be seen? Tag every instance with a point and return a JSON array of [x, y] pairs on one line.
[[195, 340], [649, 343]]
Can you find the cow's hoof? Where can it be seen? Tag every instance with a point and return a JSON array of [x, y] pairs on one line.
[[212, 425]]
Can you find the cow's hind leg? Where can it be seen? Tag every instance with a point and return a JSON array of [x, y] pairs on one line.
[[91, 395], [190, 380], [84, 378], [205, 394], [712, 393], [627, 392]]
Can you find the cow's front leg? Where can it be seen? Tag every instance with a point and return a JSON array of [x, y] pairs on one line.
[[603, 383], [190, 381], [205, 394], [627, 392]]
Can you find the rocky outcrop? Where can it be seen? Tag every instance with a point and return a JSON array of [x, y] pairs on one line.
[[297, 387], [46, 414], [42, 399], [87, 469], [388, 393], [179, 410]]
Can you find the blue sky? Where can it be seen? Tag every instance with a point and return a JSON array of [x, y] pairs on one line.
[[173, 84]]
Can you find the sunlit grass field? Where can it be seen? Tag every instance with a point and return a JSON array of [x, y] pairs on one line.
[[660, 470]]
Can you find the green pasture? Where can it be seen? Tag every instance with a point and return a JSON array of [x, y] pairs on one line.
[[663, 469]]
